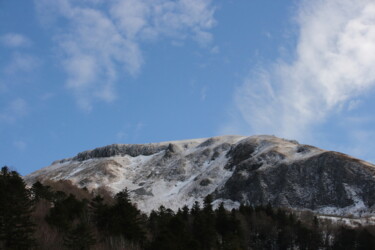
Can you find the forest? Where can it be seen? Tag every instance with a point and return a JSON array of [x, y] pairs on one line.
[[59, 215]]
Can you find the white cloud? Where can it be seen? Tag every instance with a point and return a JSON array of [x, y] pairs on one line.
[[20, 145], [14, 110], [215, 50], [332, 65], [362, 143], [3, 87], [103, 38], [354, 104], [21, 62], [121, 135], [204, 91], [14, 40]]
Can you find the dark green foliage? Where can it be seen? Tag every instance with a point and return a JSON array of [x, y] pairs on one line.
[[204, 225], [170, 231], [75, 223], [121, 219], [351, 238], [345, 239], [65, 211], [222, 222], [39, 191], [198, 230], [99, 212], [195, 209], [80, 237], [365, 240], [16, 228]]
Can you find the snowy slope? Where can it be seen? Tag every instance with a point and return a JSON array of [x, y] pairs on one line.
[[234, 169], [173, 176]]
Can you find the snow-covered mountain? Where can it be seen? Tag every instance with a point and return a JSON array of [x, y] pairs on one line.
[[234, 169]]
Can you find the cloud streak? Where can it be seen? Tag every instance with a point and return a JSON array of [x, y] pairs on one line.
[[14, 40], [21, 62], [102, 39], [332, 65], [15, 110]]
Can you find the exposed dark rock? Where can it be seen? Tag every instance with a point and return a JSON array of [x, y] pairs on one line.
[[120, 150], [324, 180], [204, 182], [201, 158], [142, 191], [215, 155], [240, 152], [171, 150], [304, 148], [207, 143]]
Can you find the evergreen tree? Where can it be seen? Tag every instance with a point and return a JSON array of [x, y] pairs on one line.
[[79, 238], [172, 231], [345, 239], [99, 212], [122, 224], [39, 191], [204, 224], [124, 219], [207, 206], [185, 212], [365, 239], [222, 221], [16, 228], [195, 209], [65, 212]]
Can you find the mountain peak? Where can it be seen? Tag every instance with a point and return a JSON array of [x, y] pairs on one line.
[[234, 169]]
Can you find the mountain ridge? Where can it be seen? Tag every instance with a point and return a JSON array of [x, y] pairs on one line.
[[234, 169]]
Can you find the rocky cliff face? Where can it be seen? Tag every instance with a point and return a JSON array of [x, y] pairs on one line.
[[234, 169]]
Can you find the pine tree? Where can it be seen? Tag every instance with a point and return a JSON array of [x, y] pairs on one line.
[[39, 191], [65, 212], [222, 221], [195, 209], [99, 212], [208, 232], [125, 219], [16, 228], [79, 238], [207, 206], [185, 212], [365, 239]]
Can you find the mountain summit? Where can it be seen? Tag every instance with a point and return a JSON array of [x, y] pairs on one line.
[[233, 169]]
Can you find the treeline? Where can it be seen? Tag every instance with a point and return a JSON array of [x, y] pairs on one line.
[[58, 215]]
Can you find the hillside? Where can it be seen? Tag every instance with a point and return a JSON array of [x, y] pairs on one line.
[[254, 170]]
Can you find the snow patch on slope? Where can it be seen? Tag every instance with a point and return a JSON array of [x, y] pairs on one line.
[[357, 209], [289, 150], [178, 173], [182, 173]]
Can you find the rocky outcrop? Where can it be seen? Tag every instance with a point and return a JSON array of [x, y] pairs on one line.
[[120, 150], [326, 180]]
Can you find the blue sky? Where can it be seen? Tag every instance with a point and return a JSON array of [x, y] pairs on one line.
[[75, 75]]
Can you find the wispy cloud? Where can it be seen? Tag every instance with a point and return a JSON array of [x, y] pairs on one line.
[[102, 38], [14, 40], [21, 62], [16, 109], [331, 67], [204, 91], [3, 87], [20, 145]]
